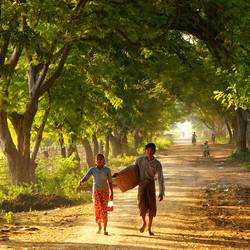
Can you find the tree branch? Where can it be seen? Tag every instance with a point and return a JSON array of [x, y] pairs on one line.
[[5, 136], [4, 49], [39, 135], [80, 4], [49, 82], [124, 35], [14, 58]]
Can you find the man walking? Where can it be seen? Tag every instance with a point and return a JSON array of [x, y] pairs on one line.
[[148, 166]]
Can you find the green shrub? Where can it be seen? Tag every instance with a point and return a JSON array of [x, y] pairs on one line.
[[248, 166], [9, 217], [4, 176], [120, 162], [240, 156], [58, 176], [161, 144], [11, 192], [222, 140]]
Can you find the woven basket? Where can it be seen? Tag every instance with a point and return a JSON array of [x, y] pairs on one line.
[[128, 179]]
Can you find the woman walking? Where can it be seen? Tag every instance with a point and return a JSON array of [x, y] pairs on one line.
[[102, 184]]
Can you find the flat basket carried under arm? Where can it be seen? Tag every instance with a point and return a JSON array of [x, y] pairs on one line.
[[128, 179]]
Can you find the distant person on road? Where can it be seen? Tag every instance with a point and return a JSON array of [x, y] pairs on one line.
[[206, 152], [213, 138], [194, 136], [101, 185], [148, 166]]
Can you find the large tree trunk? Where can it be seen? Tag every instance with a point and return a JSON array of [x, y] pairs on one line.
[[89, 153], [21, 170], [242, 120], [40, 79], [21, 166], [95, 145]]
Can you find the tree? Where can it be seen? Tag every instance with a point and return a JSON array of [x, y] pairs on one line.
[[36, 38]]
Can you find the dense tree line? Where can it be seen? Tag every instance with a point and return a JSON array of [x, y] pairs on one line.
[[102, 70]]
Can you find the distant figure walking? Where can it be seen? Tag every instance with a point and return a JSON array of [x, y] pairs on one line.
[[101, 186], [206, 152], [194, 138], [213, 138]]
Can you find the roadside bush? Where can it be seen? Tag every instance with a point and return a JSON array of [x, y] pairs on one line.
[[222, 140], [4, 177], [248, 166], [161, 144], [120, 162], [59, 176], [13, 191], [240, 156]]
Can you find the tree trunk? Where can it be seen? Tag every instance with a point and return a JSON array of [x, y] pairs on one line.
[[229, 132], [21, 170], [73, 149], [137, 140], [125, 148], [107, 148], [62, 144], [96, 146], [39, 135], [89, 153], [242, 120], [248, 136], [235, 130], [21, 167], [100, 147], [115, 145]]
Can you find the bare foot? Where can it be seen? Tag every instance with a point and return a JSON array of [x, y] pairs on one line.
[[150, 232], [142, 229], [106, 233]]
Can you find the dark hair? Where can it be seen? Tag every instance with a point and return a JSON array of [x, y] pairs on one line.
[[100, 155], [151, 145]]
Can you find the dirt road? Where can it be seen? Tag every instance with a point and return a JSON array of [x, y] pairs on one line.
[[186, 219]]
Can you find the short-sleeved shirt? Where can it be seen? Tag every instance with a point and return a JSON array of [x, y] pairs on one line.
[[101, 177]]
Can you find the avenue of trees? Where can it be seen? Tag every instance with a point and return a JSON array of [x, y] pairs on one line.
[[98, 71]]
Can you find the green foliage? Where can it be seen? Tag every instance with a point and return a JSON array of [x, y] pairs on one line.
[[120, 162], [4, 178], [11, 192], [247, 166], [237, 94], [240, 156], [9, 217], [222, 140], [162, 143], [58, 176], [131, 64]]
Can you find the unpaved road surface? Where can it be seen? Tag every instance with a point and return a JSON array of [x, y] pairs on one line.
[[187, 218]]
